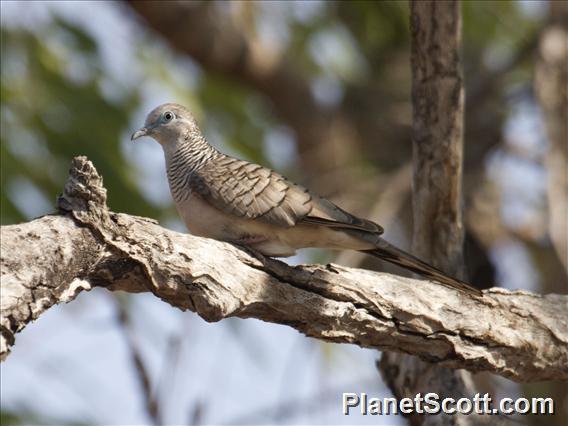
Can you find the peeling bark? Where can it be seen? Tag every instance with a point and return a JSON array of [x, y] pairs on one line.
[[47, 261], [43, 263]]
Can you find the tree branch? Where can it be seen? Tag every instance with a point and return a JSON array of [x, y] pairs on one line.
[[151, 403], [49, 260]]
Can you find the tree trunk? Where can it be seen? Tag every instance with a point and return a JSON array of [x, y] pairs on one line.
[[438, 106], [551, 86]]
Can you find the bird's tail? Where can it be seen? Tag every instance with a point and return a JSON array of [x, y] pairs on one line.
[[399, 257]]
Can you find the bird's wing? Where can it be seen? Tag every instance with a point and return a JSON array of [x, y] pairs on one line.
[[251, 191]]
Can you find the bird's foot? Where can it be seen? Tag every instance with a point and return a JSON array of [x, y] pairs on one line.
[[248, 240]]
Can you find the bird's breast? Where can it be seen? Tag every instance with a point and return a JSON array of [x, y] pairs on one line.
[[204, 220]]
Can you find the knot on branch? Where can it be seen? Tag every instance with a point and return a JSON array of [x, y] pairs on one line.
[[84, 190]]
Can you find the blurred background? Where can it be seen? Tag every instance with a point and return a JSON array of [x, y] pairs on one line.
[[319, 91]]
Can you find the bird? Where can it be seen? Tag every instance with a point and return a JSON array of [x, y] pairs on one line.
[[236, 201]]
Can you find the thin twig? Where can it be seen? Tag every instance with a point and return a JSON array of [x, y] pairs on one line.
[[123, 323]]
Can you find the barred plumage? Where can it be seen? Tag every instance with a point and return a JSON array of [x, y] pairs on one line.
[[187, 160]]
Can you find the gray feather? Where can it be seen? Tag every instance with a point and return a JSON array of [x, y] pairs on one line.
[[251, 191]]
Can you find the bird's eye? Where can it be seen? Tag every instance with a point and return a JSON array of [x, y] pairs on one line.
[[168, 116]]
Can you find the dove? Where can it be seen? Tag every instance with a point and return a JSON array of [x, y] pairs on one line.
[[236, 201]]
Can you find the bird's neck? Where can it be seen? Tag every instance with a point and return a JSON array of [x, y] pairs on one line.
[[184, 159], [189, 155]]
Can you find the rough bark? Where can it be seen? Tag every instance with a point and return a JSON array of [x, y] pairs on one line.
[[438, 107], [438, 99], [50, 260], [551, 84]]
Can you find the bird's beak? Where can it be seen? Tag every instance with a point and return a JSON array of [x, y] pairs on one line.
[[139, 133]]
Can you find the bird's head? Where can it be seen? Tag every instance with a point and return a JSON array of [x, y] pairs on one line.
[[170, 124]]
